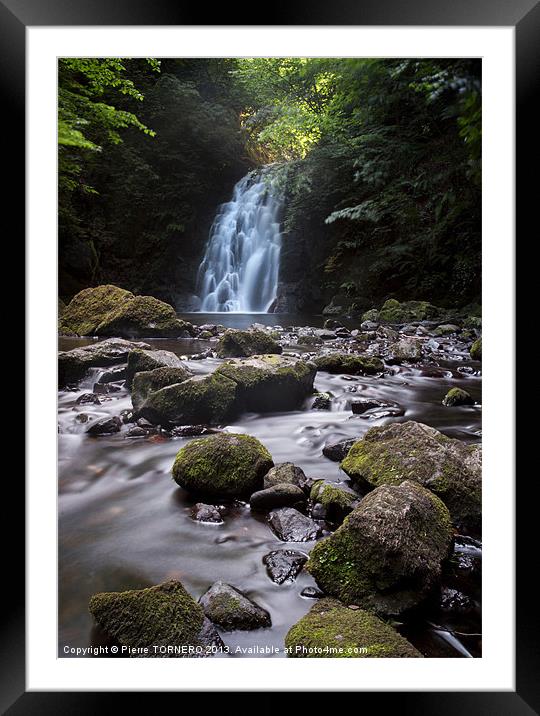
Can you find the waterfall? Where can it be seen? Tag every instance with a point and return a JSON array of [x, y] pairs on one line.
[[239, 270]]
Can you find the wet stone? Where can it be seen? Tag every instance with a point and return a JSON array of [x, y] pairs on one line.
[[284, 565], [201, 512], [289, 525]]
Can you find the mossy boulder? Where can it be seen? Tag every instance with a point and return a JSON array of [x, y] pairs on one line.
[[231, 609], [200, 400], [144, 360], [331, 629], [164, 616], [393, 311], [143, 316], [476, 350], [237, 344], [349, 363], [336, 500], [270, 383], [149, 381], [74, 364], [222, 465], [450, 468], [457, 396], [387, 554], [89, 308]]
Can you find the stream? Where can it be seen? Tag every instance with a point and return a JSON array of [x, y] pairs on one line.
[[124, 524]]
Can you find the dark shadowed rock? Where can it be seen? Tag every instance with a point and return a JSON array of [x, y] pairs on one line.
[[105, 426], [230, 609], [338, 451], [292, 526], [387, 554], [323, 401], [283, 565], [455, 602], [74, 364], [360, 405], [281, 495], [331, 629]]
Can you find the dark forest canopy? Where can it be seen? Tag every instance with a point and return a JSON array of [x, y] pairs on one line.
[[380, 160]]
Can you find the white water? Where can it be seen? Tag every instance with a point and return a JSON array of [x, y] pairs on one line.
[[239, 271]]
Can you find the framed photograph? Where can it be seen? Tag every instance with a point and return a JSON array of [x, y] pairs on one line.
[[261, 264]]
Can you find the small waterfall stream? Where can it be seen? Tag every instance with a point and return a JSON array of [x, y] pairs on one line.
[[239, 270]]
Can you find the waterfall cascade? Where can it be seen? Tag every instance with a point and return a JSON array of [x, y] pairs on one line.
[[239, 270]]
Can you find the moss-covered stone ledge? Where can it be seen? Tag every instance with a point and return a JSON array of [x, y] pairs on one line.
[[334, 630]]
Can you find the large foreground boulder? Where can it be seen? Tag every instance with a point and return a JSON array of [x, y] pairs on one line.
[[231, 609], [149, 381], [161, 616], [450, 468], [74, 364], [223, 465], [387, 554], [202, 399], [237, 344], [349, 363], [268, 383], [111, 311], [331, 629]]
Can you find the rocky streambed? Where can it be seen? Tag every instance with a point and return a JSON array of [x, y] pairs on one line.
[[263, 486]]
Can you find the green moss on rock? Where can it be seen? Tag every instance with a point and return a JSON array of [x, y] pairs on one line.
[[149, 381], [352, 364], [476, 350], [268, 383], [237, 344], [450, 468], [387, 554], [330, 629], [337, 500], [164, 615], [224, 465], [140, 360], [457, 396], [207, 399], [90, 307]]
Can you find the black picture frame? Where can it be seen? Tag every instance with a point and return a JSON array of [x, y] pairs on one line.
[[524, 15]]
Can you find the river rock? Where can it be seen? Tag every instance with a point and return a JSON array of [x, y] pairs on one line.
[[336, 500], [113, 374], [281, 495], [231, 609], [450, 468], [446, 329], [283, 565], [476, 350], [74, 364], [292, 526], [225, 464], [352, 364], [360, 405], [338, 450], [387, 554], [237, 344], [393, 311], [406, 350], [269, 383], [457, 396], [286, 472], [323, 401], [206, 513], [149, 381], [311, 593], [105, 426], [111, 311], [164, 615], [455, 602], [331, 629], [145, 360], [203, 399]]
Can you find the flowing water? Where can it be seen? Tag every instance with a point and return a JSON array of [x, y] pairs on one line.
[[239, 270], [124, 524]]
